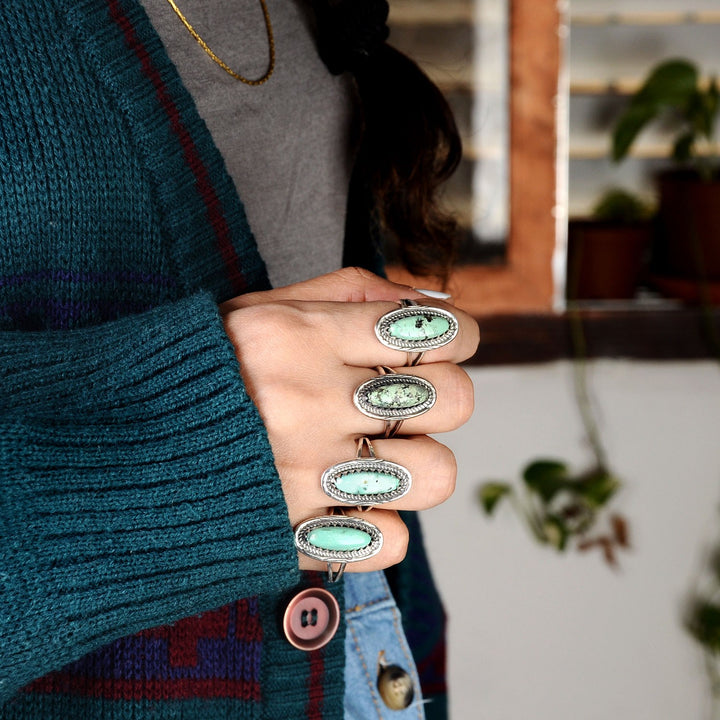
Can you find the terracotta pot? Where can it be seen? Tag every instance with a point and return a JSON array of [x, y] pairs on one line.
[[606, 260], [688, 233]]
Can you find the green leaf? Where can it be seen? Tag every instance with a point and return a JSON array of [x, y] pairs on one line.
[[619, 205], [709, 106], [714, 562], [491, 493], [546, 478], [597, 487], [556, 532], [628, 127], [671, 83], [712, 98], [683, 147], [704, 624]]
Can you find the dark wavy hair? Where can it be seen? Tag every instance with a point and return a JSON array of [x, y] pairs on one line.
[[409, 141]]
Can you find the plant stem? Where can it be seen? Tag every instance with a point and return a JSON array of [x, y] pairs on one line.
[[582, 396], [711, 666], [528, 513]]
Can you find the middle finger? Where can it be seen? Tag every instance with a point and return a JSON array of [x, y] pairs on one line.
[[452, 407]]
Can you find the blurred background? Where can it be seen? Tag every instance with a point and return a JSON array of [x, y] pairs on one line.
[[579, 558]]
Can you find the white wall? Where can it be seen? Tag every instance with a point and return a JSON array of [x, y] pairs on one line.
[[535, 635]]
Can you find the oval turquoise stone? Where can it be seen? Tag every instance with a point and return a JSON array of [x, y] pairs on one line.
[[419, 327], [339, 538], [398, 395], [367, 483]]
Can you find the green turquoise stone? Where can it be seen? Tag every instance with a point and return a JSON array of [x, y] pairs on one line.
[[367, 483], [419, 327], [398, 395], [339, 538]]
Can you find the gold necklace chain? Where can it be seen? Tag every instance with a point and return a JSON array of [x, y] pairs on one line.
[[223, 65]]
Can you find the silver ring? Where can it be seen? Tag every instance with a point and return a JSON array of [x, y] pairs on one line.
[[366, 481], [334, 575], [322, 538], [392, 428], [394, 397], [416, 328]]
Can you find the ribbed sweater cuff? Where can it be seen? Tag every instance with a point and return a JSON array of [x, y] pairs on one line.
[[137, 483]]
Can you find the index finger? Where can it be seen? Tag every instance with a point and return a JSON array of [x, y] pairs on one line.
[[346, 285], [353, 325]]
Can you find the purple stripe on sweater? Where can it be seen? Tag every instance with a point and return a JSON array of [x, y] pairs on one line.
[[67, 276], [143, 658]]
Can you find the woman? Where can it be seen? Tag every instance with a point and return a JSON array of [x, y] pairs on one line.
[[165, 415]]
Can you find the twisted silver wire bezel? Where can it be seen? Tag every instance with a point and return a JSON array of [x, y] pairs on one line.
[[330, 477], [338, 556], [360, 397], [382, 329]]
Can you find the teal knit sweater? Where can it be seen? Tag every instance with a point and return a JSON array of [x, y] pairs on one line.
[[138, 495]]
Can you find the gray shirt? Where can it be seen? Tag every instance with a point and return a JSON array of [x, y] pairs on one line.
[[286, 143]]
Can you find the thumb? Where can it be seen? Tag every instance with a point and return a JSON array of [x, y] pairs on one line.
[[346, 285]]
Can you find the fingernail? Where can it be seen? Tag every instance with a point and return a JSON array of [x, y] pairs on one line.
[[434, 294]]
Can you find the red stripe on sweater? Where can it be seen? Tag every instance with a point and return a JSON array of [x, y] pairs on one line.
[[316, 694], [316, 680], [150, 689], [190, 151]]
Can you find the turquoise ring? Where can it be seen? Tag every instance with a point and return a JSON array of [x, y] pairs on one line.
[[416, 328], [394, 397], [338, 539], [366, 481]]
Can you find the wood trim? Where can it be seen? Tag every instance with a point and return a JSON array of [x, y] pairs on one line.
[[525, 282], [680, 335]]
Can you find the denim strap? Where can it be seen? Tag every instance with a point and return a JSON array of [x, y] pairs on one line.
[[374, 627]]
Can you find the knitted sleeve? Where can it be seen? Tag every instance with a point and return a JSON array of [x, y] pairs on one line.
[[137, 485]]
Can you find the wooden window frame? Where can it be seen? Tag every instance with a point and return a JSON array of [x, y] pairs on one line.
[[524, 282]]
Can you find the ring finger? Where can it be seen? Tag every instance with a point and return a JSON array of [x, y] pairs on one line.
[[422, 468]]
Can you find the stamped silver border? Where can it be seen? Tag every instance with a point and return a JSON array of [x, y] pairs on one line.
[[377, 465], [338, 556], [360, 397], [382, 329]]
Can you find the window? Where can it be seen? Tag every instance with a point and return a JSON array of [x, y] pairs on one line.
[[444, 37]]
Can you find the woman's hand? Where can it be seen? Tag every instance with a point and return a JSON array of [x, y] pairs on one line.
[[303, 350]]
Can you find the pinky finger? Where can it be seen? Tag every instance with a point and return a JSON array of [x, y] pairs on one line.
[[392, 531]]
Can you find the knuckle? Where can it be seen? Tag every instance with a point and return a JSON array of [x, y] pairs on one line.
[[354, 273], [445, 474], [398, 546], [273, 324], [355, 280], [469, 336], [462, 395]]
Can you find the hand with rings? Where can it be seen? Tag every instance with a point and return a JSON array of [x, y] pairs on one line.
[[350, 374]]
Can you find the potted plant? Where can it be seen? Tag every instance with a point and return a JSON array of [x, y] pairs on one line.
[[686, 251], [562, 509], [607, 252]]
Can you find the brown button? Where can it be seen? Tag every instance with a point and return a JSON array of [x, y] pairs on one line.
[[311, 619], [395, 687]]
